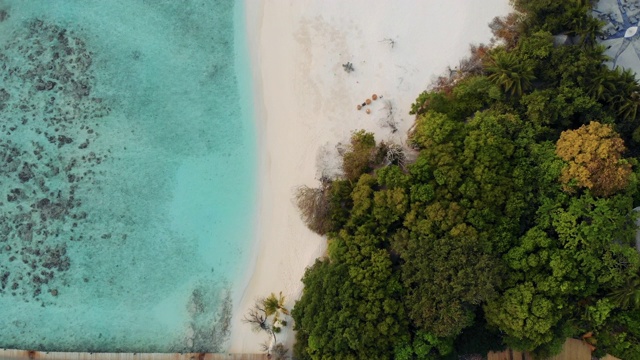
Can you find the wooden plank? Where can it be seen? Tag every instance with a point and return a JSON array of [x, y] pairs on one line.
[[571, 350], [574, 349], [610, 357], [10, 354], [504, 355]]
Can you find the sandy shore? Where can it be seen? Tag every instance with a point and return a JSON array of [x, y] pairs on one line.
[[306, 104]]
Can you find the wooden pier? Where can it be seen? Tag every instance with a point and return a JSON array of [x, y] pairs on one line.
[[8, 354], [572, 350]]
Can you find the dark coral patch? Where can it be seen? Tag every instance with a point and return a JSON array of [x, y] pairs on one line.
[[46, 109]]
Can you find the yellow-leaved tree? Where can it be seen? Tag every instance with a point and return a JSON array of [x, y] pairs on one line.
[[594, 159]]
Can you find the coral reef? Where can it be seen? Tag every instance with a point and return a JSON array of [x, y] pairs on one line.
[[49, 121]]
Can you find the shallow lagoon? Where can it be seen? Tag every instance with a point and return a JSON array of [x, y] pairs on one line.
[[127, 174]]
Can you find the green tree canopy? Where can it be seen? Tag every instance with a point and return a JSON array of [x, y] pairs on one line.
[[513, 221]]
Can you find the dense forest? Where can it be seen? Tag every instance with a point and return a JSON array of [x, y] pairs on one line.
[[512, 227]]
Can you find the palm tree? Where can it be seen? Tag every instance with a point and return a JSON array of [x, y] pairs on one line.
[[627, 94], [627, 296], [629, 106], [274, 305], [590, 32], [602, 86], [512, 74], [587, 27]]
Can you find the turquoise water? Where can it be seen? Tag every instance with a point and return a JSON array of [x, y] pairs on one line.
[[127, 170]]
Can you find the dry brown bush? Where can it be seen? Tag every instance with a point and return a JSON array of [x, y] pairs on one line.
[[313, 204], [507, 29]]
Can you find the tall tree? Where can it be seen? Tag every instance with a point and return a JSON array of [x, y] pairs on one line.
[[594, 156], [512, 74], [628, 295], [350, 307], [361, 156]]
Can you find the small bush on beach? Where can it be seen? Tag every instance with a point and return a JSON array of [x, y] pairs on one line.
[[314, 207], [361, 155]]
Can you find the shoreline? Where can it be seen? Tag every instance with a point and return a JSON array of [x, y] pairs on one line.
[[247, 15], [305, 104]]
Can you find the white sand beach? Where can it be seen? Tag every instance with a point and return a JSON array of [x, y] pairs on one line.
[[306, 104]]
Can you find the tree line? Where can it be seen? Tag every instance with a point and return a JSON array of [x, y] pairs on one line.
[[513, 227]]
